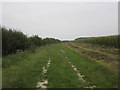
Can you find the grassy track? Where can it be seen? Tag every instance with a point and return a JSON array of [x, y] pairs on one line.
[[28, 70], [60, 73], [94, 72]]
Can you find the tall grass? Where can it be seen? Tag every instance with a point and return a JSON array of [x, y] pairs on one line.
[[112, 41], [23, 69]]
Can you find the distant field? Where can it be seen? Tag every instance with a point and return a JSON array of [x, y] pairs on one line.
[[72, 65], [111, 41]]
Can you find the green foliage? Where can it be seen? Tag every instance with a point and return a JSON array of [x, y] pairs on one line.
[[112, 41], [13, 41], [50, 40], [36, 40]]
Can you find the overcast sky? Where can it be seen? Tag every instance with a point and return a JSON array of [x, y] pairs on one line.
[[62, 20]]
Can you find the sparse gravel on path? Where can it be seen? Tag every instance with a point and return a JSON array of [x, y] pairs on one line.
[[80, 76], [43, 83]]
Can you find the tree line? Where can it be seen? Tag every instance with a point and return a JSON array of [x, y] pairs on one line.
[[13, 41]]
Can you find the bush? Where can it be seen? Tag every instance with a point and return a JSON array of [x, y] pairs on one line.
[[13, 41]]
